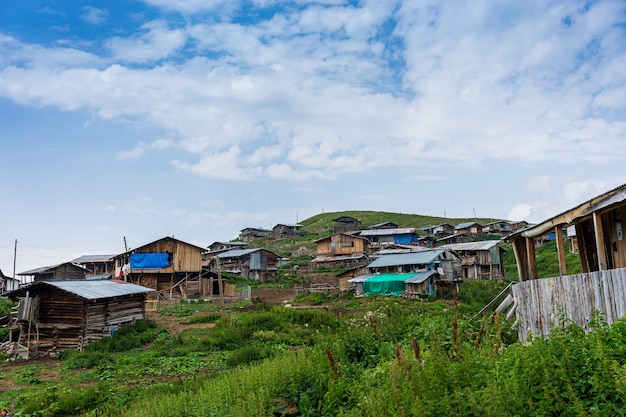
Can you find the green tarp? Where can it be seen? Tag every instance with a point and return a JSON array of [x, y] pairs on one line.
[[386, 284]]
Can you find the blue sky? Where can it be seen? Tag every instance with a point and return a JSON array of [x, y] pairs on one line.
[[198, 118]]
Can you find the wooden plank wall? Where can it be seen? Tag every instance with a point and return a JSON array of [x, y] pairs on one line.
[[541, 303]]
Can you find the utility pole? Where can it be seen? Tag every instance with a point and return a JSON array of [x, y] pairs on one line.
[[14, 258], [125, 246]]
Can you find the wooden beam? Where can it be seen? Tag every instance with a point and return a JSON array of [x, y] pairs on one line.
[[582, 247], [599, 235], [530, 254], [520, 258], [560, 248]]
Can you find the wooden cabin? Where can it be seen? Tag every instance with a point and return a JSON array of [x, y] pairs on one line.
[[438, 231], [98, 265], [8, 283], [500, 228], [381, 238], [346, 224], [54, 316], [249, 234], [340, 250], [216, 247], [445, 262], [472, 229], [255, 264], [385, 225], [539, 304], [164, 265], [481, 260], [64, 271], [287, 231]]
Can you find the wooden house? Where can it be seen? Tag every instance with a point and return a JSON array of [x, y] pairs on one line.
[[381, 238], [346, 224], [500, 228], [454, 238], [98, 265], [287, 231], [224, 246], [539, 304], [164, 265], [438, 231], [54, 316], [8, 283], [255, 264], [472, 229], [385, 225], [64, 271], [340, 250], [444, 261], [481, 260], [249, 234]]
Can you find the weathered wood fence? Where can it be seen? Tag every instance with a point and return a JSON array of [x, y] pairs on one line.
[[543, 304]]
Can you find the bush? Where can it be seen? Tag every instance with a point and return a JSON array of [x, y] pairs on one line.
[[244, 356]]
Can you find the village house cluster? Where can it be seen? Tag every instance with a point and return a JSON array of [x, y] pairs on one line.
[[69, 305]]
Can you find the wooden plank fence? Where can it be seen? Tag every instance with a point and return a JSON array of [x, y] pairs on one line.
[[541, 304]]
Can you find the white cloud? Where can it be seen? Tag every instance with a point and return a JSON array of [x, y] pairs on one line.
[[312, 93], [94, 15], [546, 196], [143, 147], [156, 43]]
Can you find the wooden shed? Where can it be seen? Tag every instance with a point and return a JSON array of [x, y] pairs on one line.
[[255, 264], [163, 265], [346, 224], [8, 283], [54, 316], [65, 271], [480, 259], [539, 304], [287, 231], [249, 234]]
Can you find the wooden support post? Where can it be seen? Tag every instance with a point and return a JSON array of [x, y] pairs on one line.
[[599, 235], [530, 254], [520, 258], [560, 249], [582, 247]]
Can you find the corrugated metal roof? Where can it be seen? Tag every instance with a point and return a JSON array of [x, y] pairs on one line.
[[45, 269], [386, 232], [93, 290], [361, 278], [236, 253], [410, 258], [482, 245], [464, 225], [335, 258], [93, 258], [419, 277]]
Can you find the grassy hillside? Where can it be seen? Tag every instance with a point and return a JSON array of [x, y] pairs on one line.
[[322, 224]]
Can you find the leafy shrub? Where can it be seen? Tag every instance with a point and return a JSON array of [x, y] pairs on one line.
[[244, 356]]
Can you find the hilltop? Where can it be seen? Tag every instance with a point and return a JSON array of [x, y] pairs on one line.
[[321, 225]]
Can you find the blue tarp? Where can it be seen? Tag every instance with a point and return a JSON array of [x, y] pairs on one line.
[[149, 260], [406, 239]]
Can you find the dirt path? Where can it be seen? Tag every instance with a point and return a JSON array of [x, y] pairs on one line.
[[273, 296]]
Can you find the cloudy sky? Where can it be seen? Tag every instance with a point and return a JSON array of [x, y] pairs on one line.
[[198, 118]]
